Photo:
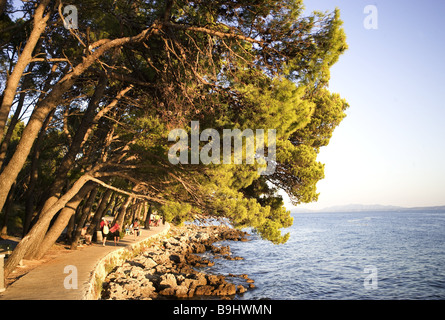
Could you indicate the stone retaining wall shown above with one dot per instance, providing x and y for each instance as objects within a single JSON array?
[{"x": 112, "y": 259}]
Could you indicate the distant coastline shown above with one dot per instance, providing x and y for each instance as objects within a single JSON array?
[{"x": 370, "y": 208}]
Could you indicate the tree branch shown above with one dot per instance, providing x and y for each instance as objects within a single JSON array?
[
  {"x": 216, "y": 33},
  {"x": 131, "y": 194}
]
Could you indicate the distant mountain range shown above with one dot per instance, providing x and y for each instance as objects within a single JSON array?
[{"x": 364, "y": 208}]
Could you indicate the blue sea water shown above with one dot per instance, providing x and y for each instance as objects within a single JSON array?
[{"x": 362, "y": 255}]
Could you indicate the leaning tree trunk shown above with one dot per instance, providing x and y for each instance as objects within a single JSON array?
[
  {"x": 140, "y": 210},
  {"x": 83, "y": 217},
  {"x": 117, "y": 199},
  {"x": 39, "y": 25},
  {"x": 33, "y": 176},
  {"x": 102, "y": 208},
  {"x": 26, "y": 85},
  {"x": 70, "y": 227},
  {"x": 145, "y": 210},
  {"x": 7, "y": 211},
  {"x": 12, "y": 169},
  {"x": 13, "y": 122},
  {"x": 147, "y": 219},
  {"x": 41, "y": 226},
  {"x": 62, "y": 220},
  {"x": 130, "y": 214},
  {"x": 123, "y": 210},
  {"x": 69, "y": 158}
]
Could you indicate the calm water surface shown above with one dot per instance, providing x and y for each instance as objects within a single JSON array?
[{"x": 328, "y": 254}]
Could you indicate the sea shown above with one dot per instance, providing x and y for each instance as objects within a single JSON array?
[{"x": 346, "y": 256}]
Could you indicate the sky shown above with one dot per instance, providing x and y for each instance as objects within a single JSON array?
[{"x": 390, "y": 149}]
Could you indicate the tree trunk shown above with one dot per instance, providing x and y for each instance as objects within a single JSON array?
[
  {"x": 123, "y": 210},
  {"x": 35, "y": 246},
  {"x": 132, "y": 212},
  {"x": 62, "y": 220},
  {"x": 2, "y": 6},
  {"x": 130, "y": 215},
  {"x": 7, "y": 211},
  {"x": 39, "y": 25},
  {"x": 147, "y": 219},
  {"x": 35, "y": 158},
  {"x": 140, "y": 213},
  {"x": 7, "y": 138},
  {"x": 115, "y": 202},
  {"x": 33, "y": 175},
  {"x": 41, "y": 226},
  {"x": 145, "y": 210},
  {"x": 79, "y": 137},
  {"x": 26, "y": 84},
  {"x": 101, "y": 209},
  {"x": 83, "y": 217},
  {"x": 40, "y": 113},
  {"x": 70, "y": 227},
  {"x": 69, "y": 158}
]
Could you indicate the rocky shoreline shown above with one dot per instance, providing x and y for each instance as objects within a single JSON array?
[{"x": 171, "y": 269}]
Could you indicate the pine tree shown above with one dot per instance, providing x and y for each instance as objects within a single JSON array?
[{"x": 108, "y": 94}]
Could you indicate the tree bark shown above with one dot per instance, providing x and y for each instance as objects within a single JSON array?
[
  {"x": 115, "y": 203},
  {"x": 101, "y": 209},
  {"x": 24, "y": 59},
  {"x": 7, "y": 211},
  {"x": 70, "y": 228},
  {"x": 148, "y": 217},
  {"x": 7, "y": 138},
  {"x": 86, "y": 209},
  {"x": 145, "y": 210},
  {"x": 69, "y": 158},
  {"x": 41, "y": 226},
  {"x": 2, "y": 6},
  {"x": 79, "y": 137},
  {"x": 12, "y": 169},
  {"x": 123, "y": 210},
  {"x": 26, "y": 84},
  {"x": 33, "y": 176},
  {"x": 62, "y": 220}
]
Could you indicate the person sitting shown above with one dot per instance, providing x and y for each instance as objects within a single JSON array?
[{"x": 86, "y": 236}]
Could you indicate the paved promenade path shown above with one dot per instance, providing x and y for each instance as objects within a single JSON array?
[{"x": 47, "y": 281}]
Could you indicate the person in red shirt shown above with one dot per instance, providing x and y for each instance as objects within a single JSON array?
[{"x": 115, "y": 230}]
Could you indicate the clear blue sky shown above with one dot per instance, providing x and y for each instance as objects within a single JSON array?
[{"x": 390, "y": 149}]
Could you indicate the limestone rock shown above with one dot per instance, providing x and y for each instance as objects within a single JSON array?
[
  {"x": 204, "y": 290},
  {"x": 168, "y": 279},
  {"x": 167, "y": 292},
  {"x": 241, "y": 289},
  {"x": 181, "y": 292}
]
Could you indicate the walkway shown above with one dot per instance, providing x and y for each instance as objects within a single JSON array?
[{"x": 48, "y": 281}]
